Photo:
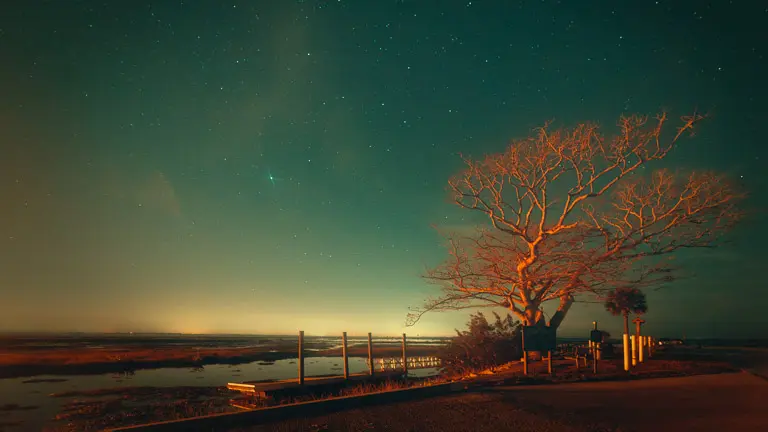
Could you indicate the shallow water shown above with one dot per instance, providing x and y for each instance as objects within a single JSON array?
[{"x": 37, "y": 394}]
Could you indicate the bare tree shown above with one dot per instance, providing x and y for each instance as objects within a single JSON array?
[{"x": 574, "y": 212}]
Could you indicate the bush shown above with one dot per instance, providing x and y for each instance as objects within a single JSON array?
[{"x": 483, "y": 345}]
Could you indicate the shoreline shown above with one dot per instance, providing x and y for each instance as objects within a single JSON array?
[
  {"x": 220, "y": 402},
  {"x": 117, "y": 405},
  {"x": 89, "y": 361}
]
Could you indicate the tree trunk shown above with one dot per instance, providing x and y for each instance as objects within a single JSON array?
[
  {"x": 626, "y": 322},
  {"x": 533, "y": 315},
  {"x": 566, "y": 302}
]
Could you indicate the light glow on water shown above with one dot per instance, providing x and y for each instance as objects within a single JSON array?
[{"x": 15, "y": 391}]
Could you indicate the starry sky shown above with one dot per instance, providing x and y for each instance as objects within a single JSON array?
[{"x": 270, "y": 166}]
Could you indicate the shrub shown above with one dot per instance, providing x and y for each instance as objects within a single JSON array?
[{"x": 483, "y": 345}]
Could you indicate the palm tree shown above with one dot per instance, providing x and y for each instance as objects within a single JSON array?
[{"x": 626, "y": 300}]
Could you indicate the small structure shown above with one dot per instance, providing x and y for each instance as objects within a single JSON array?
[{"x": 541, "y": 339}]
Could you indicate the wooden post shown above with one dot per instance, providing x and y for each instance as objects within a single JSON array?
[
  {"x": 525, "y": 356},
  {"x": 596, "y": 345},
  {"x": 594, "y": 358},
  {"x": 549, "y": 363},
  {"x": 301, "y": 358},
  {"x": 370, "y": 355},
  {"x": 576, "y": 354},
  {"x": 525, "y": 363},
  {"x": 344, "y": 354},
  {"x": 405, "y": 358}
]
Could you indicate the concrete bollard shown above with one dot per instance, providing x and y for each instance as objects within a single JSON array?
[
  {"x": 626, "y": 351},
  {"x": 650, "y": 346},
  {"x": 633, "y": 341},
  {"x": 641, "y": 349}
]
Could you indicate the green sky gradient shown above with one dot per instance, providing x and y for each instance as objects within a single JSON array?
[{"x": 265, "y": 167}]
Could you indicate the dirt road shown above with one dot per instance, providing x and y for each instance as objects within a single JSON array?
[{"x": 732, "y": 401}]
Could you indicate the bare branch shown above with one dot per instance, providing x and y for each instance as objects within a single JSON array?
[{"x": 572, "y": 212}]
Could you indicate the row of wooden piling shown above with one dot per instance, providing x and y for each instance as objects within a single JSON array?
[{"x": 344, "y": 353}]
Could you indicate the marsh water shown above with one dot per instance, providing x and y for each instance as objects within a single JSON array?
[
  {"x": 39, "y": 408},
  {"x": 28, "y": 401}
]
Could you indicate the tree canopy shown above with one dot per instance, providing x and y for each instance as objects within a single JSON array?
[
  {"x": 625, "y": 301},
  {"x": 570, "y": 212}
]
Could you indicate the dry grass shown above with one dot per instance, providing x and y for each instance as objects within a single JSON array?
[
  {"x": 83, "y": 356},
  {"x": 109, "y": 408},
  {"x": 21, "y": 362},
  {"x": 356, "y": 390},
  {"x": 608, "y": 370},
  {"x": 106, "y": 408}
]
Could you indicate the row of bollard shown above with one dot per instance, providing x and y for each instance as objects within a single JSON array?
[{"x": 636, "y": 349}]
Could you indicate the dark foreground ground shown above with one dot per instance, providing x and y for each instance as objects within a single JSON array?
[{"x": 722, "y": 402}]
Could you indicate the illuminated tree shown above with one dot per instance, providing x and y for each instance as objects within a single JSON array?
[
  {"x": 574, "y": 212},
  {"x": 624, "y": 301}
]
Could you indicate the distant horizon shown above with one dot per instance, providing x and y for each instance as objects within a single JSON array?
[
  {"x": 215, "y": 168},
  {"x": 349, "y": 334}
]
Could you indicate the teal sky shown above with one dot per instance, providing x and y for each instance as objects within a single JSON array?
[{"x": 268, "y": 167}]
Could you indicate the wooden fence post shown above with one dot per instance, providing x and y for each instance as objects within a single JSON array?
[
  {"x": 525, "y": 356},
  {"x": 594, "y": 358},
  {"x": 344, "y": 354},
  {"x": 370, "y": 355},
  {"x": 301, "y": 358},
  {"x": 549, "y": 363},
  {"x": 405, "y": 358},
  {"x": 525, "y": 363}
]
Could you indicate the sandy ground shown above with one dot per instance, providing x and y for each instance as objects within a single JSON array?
[{"x": 723, "y": 402}]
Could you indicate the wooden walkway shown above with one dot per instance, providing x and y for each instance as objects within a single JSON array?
[
  {"x": 386, "y": 368},
  {"x": 262, "y": 388}
]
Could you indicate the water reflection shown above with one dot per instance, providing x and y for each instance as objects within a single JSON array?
[{"x": 35, "y": 392}]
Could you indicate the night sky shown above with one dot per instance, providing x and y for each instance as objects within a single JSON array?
[{"x": 270, "y": 166}]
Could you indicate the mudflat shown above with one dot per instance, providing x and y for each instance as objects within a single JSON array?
[{"x": 26, "y": 357}]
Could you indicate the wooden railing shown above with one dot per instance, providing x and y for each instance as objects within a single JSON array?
[
  {"x": 385, "y": 367},
  {"x": 395, "y": 363}
]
